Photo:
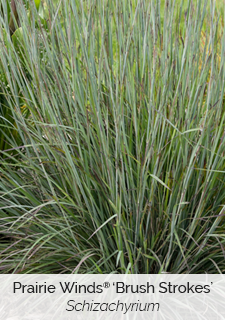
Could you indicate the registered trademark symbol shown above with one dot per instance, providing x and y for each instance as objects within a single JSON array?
[{"x": 106, "y": 284}]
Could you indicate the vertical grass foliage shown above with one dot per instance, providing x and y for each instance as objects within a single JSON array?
[{"x": 115, "y": 152}]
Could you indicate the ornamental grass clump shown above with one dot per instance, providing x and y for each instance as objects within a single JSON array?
[{"x": 120, "y": 163}]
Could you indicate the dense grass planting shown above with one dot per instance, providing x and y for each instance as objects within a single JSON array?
[{"x": 112, "y": 135}]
